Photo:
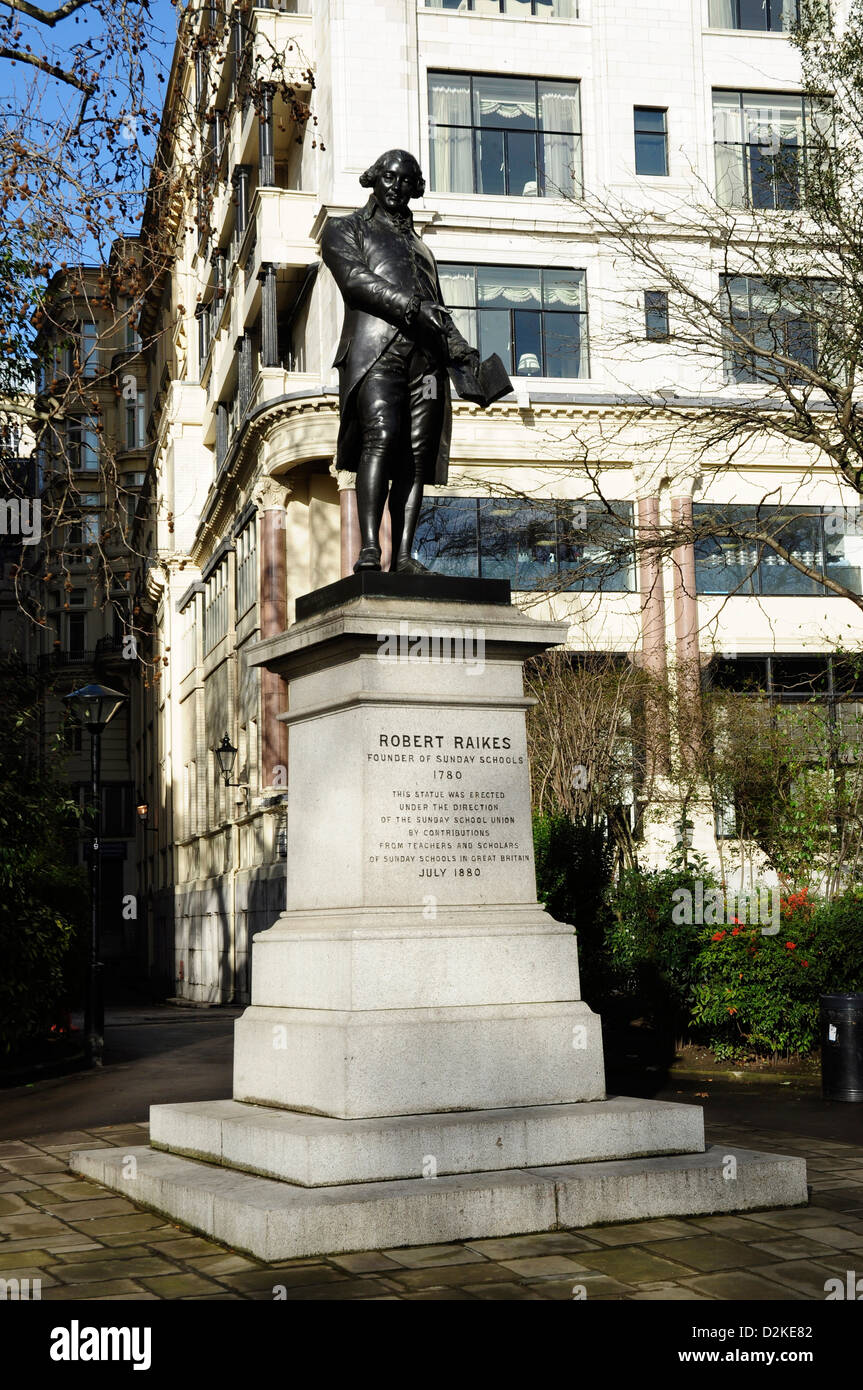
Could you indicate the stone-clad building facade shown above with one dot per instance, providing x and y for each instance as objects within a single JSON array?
[{"x": 514, "y": 107}]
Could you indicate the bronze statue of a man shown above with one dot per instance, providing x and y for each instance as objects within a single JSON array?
[{"x": 396, "y": 346}]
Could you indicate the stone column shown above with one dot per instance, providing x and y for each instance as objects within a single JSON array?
[
  {"x": 221, "y": 431},
  {"x": 241, "y": 185},
  {"x": 269, "y": 316},
  {"x": 686, "y": 629},
  {"x": 271, "y": 497},
  {"x": 653, "y": 651},
  {"x": 243, "y": 349},
  {"x": 266, "y": 162}
]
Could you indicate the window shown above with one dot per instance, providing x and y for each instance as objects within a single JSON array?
[
  {"x": 769, "y": 15},
  {"x": 656, "y": 315},
  {"x": 118, "y": 808},
  {"x": 216, "y": 606},
  {"x": 82, "y": 443},
  {"x": 535, "y": 319},
  {"x": 730, "y": 560},
  {"x": 762, "y": 142},
  {"x": 548, "y": 9},
  {"x": 247, "y": 566},
  {"x": 190, "y": 638},
  {"x": 651, "y": 140},
  {"x": 787, "y": 319},
  {"x": 89, "y": 349},
  {"x": 554, "y": 544},
  {"x": 131, "y": 337},
  {"x": 504, "y": 136},
  {"x": 136, "y": 421},
  {"x": 204, "y": 315}
]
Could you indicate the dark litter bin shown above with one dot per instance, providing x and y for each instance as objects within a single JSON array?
[{"x": 842, "y": 1046}]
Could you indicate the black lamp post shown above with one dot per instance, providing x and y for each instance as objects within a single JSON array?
[
  {"x": 94, "y": 706},
  {"x": 225, "y": 756}
]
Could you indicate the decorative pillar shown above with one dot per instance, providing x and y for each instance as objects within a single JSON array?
[
  {"x": 243, "y": 349},
  {"x": 653, "y": 650},
  {"x": 221, "y": 431},
  {"x": 686, "y": 630},
  {"x": 241, "y": 184},
  {"x": 266, "y": 163},
  {"x": 269, "y": 316},
  {"x": 271, "y": 498}
]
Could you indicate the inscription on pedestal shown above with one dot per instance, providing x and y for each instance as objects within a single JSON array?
[{"x": 452, "y": 815}]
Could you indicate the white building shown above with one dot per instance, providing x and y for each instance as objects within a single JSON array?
[{"x": 523, "y": 113}]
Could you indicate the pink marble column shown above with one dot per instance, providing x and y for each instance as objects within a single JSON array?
[{"x": 686, "y": 631}]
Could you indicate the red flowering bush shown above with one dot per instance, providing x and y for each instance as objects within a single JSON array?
[{"x": 760, "y": 993}]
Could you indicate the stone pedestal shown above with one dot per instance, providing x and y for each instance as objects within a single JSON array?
[{"x": 417, "y": 1063}]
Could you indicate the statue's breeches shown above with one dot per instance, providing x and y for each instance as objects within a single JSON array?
[{"x": 400, "y": 412}]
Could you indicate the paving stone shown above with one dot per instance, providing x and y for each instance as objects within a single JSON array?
[
  {"x": 17, "y": 1184},
  {"x": 27, "y": 1256},
  {"x": 75, "y": 1191},
  {"x": 97, "y": 1252},
  {"x": 597, "y": 1287},
  {"x": 31, "y": 1223},
  {"x": 744, "y": 1228},
  {"x": 101, "y": 1206},
  {"x": 743, "y": 1286},
  {"x": 451, "y": 1275},
  {"x": 34, "y": 1163},
  {"x": 220, "y": 1264},
  {"x": 68, "y": 1292},
  {"x": 544, "y": 1266},
  {"x": 710, "y": 1252},
  {"x": 12, "y": 1203},
  {"x": 637, "y": 1232},
  {"x": 440, "y": 1296},
  {"x": 428, "y": 1255},
  {"x": 30, "y": 1272},
  {"x": 364, "y": 1262},
  {"x": 836, "y": 1237},
  {"x": 66, "y": 1139},
  {"x": 675, "y": 1293},
  {"x": 141, "y": 1297},
  {"x": 345, "y": 1289},
  {"x": 179, "y": 1247},
  {"x": 545, "y": 1243},
  {"x": 789, "y": 1248},
  {"x": 510, "y": 1293},
  {"x": 116, "y": 1225},
  {"x": 797, "y": 1217},
  {"x": 15, "y": 1148},
  {"x": 807, "y": 1276},
  {"x": 632, "y": 1266},
  {"x": 286, "y": 1278},
  {"x": 179, "y": 1285},
  {"x": 127, "y": 1266}
]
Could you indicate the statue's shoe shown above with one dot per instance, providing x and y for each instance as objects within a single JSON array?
[
  {"x": 410, "y": 566},
  {"x": 369, "y": 559}
]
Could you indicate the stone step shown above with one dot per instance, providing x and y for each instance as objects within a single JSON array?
[
  {"x": 319, "y": 1151},
  {"x": 278, "y": 1221}
]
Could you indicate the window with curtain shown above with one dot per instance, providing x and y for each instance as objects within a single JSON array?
[
  {"x": 763, "y": 142},
  {"x": 504, "y": 136},
  {"x": 729, "y": 559},
  {"x": 546, "y": 9},
  {"x": 547, "y": 544},
  {"x": 535, "y": 319},
  {"x": 767, "y": 15},
  {"x": 788, "y": 319},
  {"x": 82, "y": 443}
]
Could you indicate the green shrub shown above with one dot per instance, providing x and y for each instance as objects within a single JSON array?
[
  {"x": 757, "y": 993},
  {"x": 573, "y": 877},
  {"x": 652, "y": 955}
]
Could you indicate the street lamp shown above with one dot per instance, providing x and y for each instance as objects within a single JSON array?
[
  {"x": 226, "y": 755},
  {"x": 94, "y": 706}
]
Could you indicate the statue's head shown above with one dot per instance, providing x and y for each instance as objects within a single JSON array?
[{"x": 395, "y": 178}]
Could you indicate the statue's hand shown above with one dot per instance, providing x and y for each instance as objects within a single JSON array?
[{"x": 433, "y": 318}]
